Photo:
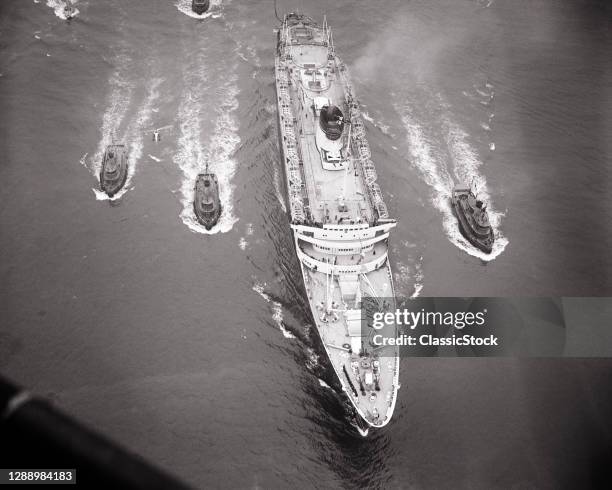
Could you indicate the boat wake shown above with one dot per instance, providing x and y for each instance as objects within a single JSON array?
[
  {"x": 133, "y": 138},
  {"x": 83, "y": 160},
  {"x": 313, "y": 362},
  {"x": 243, "y": 243},
  {"x": 362, "y": 432},
  {"x": 418, "y": 277},
  {"x": 435, "y": 165},
  {"x": 277, "y": 310},
  {"x": 191, "y": 157},
  {"x": 380, "y": 125},
  {"x": 248, "y": 53},
  {"x": 484, "y": 94},
  {"x": 121, "y": 90},
  {"x": 323, "y": 384},
  {"x": 214, "y": 11},
  {"x": 58, "y": 8},
  {"x": 408, "y": 280}
]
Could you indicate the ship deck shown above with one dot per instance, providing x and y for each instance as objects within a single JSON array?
[{"x": 325, "y": 187}]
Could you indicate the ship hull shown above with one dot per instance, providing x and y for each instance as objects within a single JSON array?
[
  {"x": 199, "y": 8},
  {"x": 113, "y": 174},
  {"x": 468, "y": 234},
  {"x": 343, "y": 256},
  {"x": 341, "y": 376}
]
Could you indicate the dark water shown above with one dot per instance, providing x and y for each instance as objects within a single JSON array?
[{"x": 195, "y": 349}]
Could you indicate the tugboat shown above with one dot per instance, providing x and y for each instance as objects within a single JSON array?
[
  {"x": 114, "y": 169},
  {"x": 200, "y": 6},
  {"x": 206, "y": 204},
  {"x": 69, "y": 10},
  {"x": 473, "y": 218}
]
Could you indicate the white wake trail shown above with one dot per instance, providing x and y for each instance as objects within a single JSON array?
[
  {"x": 118, "y": 103},
  {"x": 436, "y": 175},
  {"x": 58, "y": 8},
  {"x": 134, "y": 138},
  {"x": 192, "y": 157},
  {"x": 214, "y": 10},
  {"x": 466, "y": 164},
  {"x": 277, "y": 310}
]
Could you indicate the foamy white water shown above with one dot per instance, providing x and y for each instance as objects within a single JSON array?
[
  {"x": 408, "y": 279},
  {"x": 58, "y": 8},
  {"x": 418, "y": 278},
  {"x": 362, "y": 432},
  {"x": 466, "y": 164},
  {"x": 323, "y": 384},
  {"x": 243, "y": 243},
  {"x": 260, "y": 289},
  {"x": 134, "y": 139},
  {"x": 277, "y": 310},
  {"x": 192, "y": 156},
  {"x": 384, "y": 128},
  {"x": 118, "y": 103},
  {"x": 278, "y": 189},
  {"x": 83, "y": 160},
  {"x": 121, "y": 90},
  {"x": 247, "y": 52},
  {"x": 312, "y": 361}
]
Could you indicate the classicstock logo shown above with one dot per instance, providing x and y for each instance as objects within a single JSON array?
[{"x": 476, "y": 327}]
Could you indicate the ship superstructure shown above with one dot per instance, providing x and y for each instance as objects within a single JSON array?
[
  {"x": 339, "y": 220},
  {"x": 473, "y": 218}
]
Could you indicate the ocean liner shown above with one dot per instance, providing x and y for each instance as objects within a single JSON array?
[{"x": 339, "y": 220}]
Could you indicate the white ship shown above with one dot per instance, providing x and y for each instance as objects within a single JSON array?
[{"x": 338, "y": 217}]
